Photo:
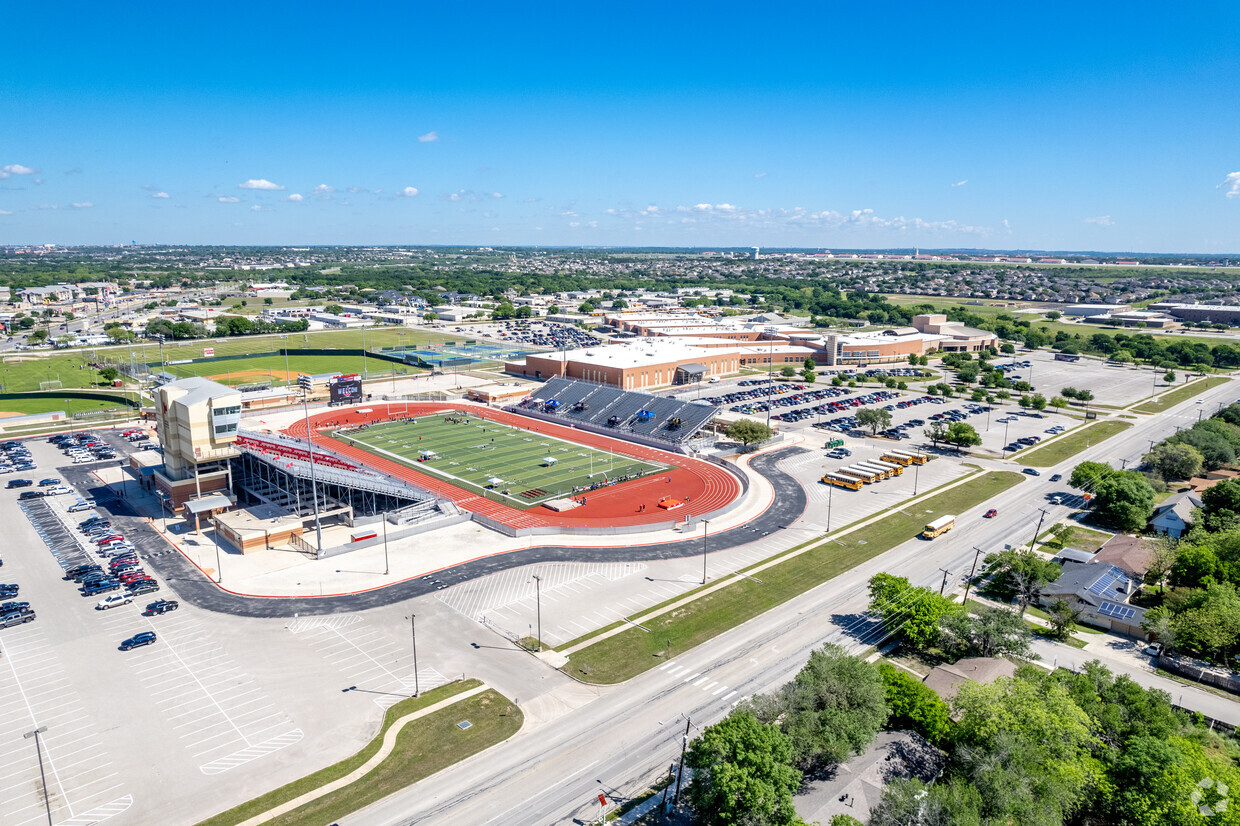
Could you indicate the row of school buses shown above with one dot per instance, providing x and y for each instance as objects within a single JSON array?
[{"x": 891, "y": 463}]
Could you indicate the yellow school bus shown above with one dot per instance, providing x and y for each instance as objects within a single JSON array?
[{"x": 838, "y": 481}]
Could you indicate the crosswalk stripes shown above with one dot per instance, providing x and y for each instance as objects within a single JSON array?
[
  {"x": 704, "y": 684},
  {"x": 300, "y": 624},
  {"x": 240, "y": 758},
  {"x": 100, "y": 813}
]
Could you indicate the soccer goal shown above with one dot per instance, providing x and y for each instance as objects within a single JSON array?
[{"x": 54, "y": 384}]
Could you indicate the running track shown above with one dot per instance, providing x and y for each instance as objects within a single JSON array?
[{"x": 705, "y": 487}]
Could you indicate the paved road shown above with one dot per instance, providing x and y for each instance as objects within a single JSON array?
[
  {"x": 193, "y": 587},
  {"x": 628, "y": 735}
]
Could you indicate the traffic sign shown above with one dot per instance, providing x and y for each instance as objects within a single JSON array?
[{"x": 602, "y": 801}]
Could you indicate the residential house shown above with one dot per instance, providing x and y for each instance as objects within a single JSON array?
[
  {"x": 1174, "y": 515},
  {"x": 1100, "y": 591},
  {"x": 946, "y": 679}
]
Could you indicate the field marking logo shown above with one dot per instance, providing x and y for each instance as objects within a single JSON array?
[{"x": 1210, "y": 797}]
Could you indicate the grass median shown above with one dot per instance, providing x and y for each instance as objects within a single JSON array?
[
  {"x": 423, "y": 747},
  {"x": 632, "y": 651},
  {"x": 1068, "y": 446},
  {"x": 1180, "y": 394}
]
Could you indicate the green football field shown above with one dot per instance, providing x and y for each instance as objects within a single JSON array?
[{"x": 472, "y": 455}]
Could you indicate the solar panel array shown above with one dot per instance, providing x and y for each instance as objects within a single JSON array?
[
  {"x": 1109, "y": 581},
  {"x": 1111, "y": 609}
]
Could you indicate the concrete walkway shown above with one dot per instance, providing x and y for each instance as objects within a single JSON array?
[{"x": 389, "y": 744}]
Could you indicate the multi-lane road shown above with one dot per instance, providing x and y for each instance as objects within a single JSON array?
[{"x": 580, "y": 742}]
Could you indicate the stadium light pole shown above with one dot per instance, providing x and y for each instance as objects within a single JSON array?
[
  {"x": 306, "y": 383},
  {"x": 42, "y": 777},
  {"x": 538, "y": 607},
  {"x": 287, "y": 378}
]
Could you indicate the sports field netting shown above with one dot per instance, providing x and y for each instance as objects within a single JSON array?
[{"x": 474, "y": 453}]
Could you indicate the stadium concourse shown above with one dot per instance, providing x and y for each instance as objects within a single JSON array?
[{"x": 699, "y": 487}]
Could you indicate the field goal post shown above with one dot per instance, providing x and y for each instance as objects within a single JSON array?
[{"x": 54, "y": 384}]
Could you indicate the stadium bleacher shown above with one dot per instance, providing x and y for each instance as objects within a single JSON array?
[{"x": 619, "y": 411}]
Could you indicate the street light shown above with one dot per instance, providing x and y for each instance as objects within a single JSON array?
[
  {"x": 42, "y": 777},
  {"x": 306, "y": 383},
  {"x": 413, "y": 626},
  {"x": 386, "y": 568},
  {"x": 538, "y": 607},
  {"x": 705, "y": 531}
]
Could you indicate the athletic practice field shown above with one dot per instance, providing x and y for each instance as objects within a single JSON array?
[
  {"x": 509, "y": 463},
  {"x": 234, "y": 371}
]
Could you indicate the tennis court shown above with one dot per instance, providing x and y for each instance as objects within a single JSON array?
[{"x": 510, "y": 464}]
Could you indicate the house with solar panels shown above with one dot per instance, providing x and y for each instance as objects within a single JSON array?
[{"x": 1100, "y": 591}]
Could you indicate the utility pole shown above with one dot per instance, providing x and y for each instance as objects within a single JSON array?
[
  {"x": 830, "y": 492},
  {"x": 306, "y": 383},
  {"x": 684, "y": 744},
  {"x": 538, "y": 607},
  {"x": 413, "y": 627},
  {"x": 916, "y": 477},
  {"x": 43, "y": 778},
  {"x": 705, "y": 531},
  {"x": 943, "y": 587},
  {"x": 1005, "y": 438},
  {"x": 972, "y": 571},
  {"x": 1038, "y": 529}
]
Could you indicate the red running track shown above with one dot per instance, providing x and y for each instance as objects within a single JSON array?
[{"x": 705, "y": 487}]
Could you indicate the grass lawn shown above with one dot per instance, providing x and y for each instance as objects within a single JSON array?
[
  {"x": 23, "y": 407},
  {"x": 1082, "y": 538},
  {"x": 1180, "y": 394},
  {"x": 470, "y": 455},
  {"x": 425, "y": 746},
  {"x": 632, "y": 651},
  {"x": 1072, "y": 444},
  {"x": 276, "y": 368}
]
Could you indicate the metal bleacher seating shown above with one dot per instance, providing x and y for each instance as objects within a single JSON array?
[{"x": 602, "y": 404}]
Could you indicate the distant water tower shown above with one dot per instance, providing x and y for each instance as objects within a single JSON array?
[{"x": 755, "y": 252}]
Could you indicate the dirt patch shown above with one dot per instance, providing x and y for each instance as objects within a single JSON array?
[
  {"x": 252, "y": 374},
  {"x": 8, "y": 414}
]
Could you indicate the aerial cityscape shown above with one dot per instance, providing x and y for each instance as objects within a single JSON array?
[{"x": 435, "y": 416}]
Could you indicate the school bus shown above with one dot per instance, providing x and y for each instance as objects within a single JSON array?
[
  {"x": 883, "y": 472},
  {"x": 939, "y": 527},
  {"x": 913, "y": 457},
  {"x": 894, "y": 468},
  {"x": 839, "y": 481},
  {"x": 867, "y": 476},
  {"x": 899, "y": 459}
]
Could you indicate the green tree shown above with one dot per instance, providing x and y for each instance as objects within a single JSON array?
[
  {"x": 936, "y": 432},
  {"x": 1059, "y": 403},
  {"x": 1012, "y": 571},
  {"x": 1169, "y": 377},
  {"x": 742, "y": 774},
  {"x": 1124, "y": 500},
  {"x": 962, "y": 434},
  {"x": 787, "y": 371},
  {"x": 1175, "y": 460},
  {"x": 915, "y": 705},
  {"x": 586, "y": 308},
  {"x": 109, "y": 374},
  {"x": 504, "y": 310},
  {"x": 1037, "y": 401},
  {"x": 1088, "y": 475},
  {"x": 1207, "y": 620},
  {"x": 908, "y": 610},
  {"x": 875, "y": 418},
  {"x": 1221, "y": 505},
  {"x": 1063, "y": 619},
  {"x": 748, "y": 432},
  {"x": 833, "y": 708},
  {"x": 37, "y": 336},
  {"x": 985, "y": 631}
]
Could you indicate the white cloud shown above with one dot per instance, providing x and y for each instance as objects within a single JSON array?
[
  {"x": 16, "y": 169},
  {"x": 409, "y": 192},
  {"x": 228, "y": 199},
  {"x": 296, "y": 198},
  {"x": 1100, "y": 221},
  {"x": 497, "y": 195},
  {"x": 82, "y": 205},
  {"x": 961, "y": 183},
  {"x": 353, "y": 190},
  {"x": 259, "y": 183},
  {"x": 256, "y": 208},
  {"x": 1232, "y": 182},
  {"x": 324, "y": 189},
  {"x": 428, "y": 137},
  {"x": 5, "y": 212},
  {"x": 1007, "y": 226},
  {"x": 160, "y": 195},
  {"x": 759, "y": 174}
]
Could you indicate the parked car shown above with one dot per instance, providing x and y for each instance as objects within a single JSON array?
[
  {"x": 162, "y": 606},
  {"x": 45, "y": 483},
  {"x": 30, "y": 494},
  {"x": 16, "y": 618},
  {"x": 19, "y": 483},
  {"x": 59, "y": 490},
  {"x": 78, "y": 507},
  {"x": 113, "y": 601},
  {"x": 143, "y": 586},
  {"x": 138, "y": 640},
  {"x": 101, "y": 586}
]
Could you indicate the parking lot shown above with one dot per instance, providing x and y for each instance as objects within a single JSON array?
[{"x": 227, "y": 707}]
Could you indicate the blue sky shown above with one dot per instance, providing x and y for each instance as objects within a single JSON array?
[{"x": 1069, "y": 126}]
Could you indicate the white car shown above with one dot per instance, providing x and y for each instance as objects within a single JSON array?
[
  {"x": 81, "y": 460},
  {"x": 113, "y": 601},
  {"x": 59, "y": 490},
  {"x": 78, "y": 507}
]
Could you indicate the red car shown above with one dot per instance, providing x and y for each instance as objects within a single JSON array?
[
  {"x": 108, "y": 540},
  {"x": 990, "y": 514},
  {"x": 133, "y": 576}
]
